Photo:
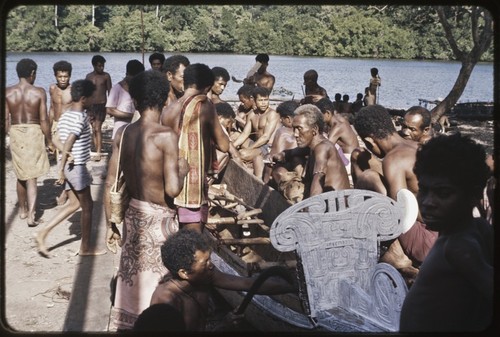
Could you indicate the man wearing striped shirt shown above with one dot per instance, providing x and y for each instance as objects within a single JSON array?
[{"x": 73, "y": 140}]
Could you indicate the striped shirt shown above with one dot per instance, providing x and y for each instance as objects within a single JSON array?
[{"x": 77, "y": 123}]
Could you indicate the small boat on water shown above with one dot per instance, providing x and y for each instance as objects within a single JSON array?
[
  {"x": 479, "y": 111},
  {"x": 330, "y": 243}
]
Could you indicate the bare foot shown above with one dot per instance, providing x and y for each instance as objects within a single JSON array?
[
  {"x": 42, "y": 250},
  {"x": 23, "y": 212},
  {"x": 31, "y": 220},
  {"x": 96, "y": 157},
  {"x": 91, "y": 253}
]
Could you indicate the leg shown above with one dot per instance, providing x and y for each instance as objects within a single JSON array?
[
  {"x": 97, "y": 132},
  {"x": 22, "y": 198},
  {"x": 68, "y": 209},
  {"x": 85, "y": 198},
  {"x": 32, "y": 195}
]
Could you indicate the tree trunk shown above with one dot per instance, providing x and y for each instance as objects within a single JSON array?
[
  {"x": 455, "y": 93},
  {"x": 481, "y": 37}
]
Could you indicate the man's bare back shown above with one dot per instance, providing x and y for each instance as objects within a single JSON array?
[
  {"x": 26, "y": 104},
  {"x": 154, "y": 144},
  {"x": 342, "y": 133}
]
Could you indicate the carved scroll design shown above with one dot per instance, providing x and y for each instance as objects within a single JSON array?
[{"x": 337, "y": 236}]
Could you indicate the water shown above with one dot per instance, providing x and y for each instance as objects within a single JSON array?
[{"x": 403, "y": 82}]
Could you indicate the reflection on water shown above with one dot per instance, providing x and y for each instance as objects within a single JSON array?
[{"x": 403, "y": 82}]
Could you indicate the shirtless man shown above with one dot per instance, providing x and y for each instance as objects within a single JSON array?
[
  {"x": 220, "y": 83},
  {"x": 154, "y": 177},
  {"x": 340, "y": 131},
  {"x": 247, "y": 103},
  {"x": 325, "y": 170},
  {"x": 173, "y": 67},
  {"x": 97, "y": 110},
  {"x": 194, "y": 114},
  {"x": 263, "y": 121},
  {"x": 458, "y": 273},
  {"x": 60, "y": 101},
  {"x": 192, "y": 277},
  {"x": 27, "y": 124},
  {"x": 374, "y": 125},
  {"x": 417, "y": 125},
  {"x": 375, "y": 82},
  {"x": 259, "y": 75},
  {"x": 313, "y": 92}
]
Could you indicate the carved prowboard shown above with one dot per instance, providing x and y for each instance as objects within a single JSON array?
[{"x": 337, "y": 236}]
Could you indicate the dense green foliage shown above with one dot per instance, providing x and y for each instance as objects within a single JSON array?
[{"x": 405, "y": 32}]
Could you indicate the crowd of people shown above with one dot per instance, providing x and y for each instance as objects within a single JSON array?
[{"x": 173, "y": 133}]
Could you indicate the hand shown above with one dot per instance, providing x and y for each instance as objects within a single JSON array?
[
  {"x": 61, "y": 178},
  {"x": 279, "y": 157},
  {"x": 113, "y": 238},
  {"x": 51, "y": 148},
  {"x": 183, "y": 167}
]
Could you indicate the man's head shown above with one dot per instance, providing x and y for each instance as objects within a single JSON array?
[
  {"x": 174, "y": 67},
  {"x": 452, "y": 173},
  {"x": 245, "y": 96},
  {"x": 226, "y": 114},
  {"x": 198, "y": 76},
  {"x": 221, "y": 78},
  {"x": 327, "y": 108},
  {"x": 417, "y": 123},
  {"x": 310, "y": 77},
  {"x": 62, "y": 72},
  {"x": 134, "y": 67},
  {"x": 186, "y": 255},
  {"x": 98, "y": 62},
  {"x": 156, "y": 61},
  {"x": 263, "y": 59},
  {"x": 82, "y": 89},
  {"x": 286, "y": 111},
  {"x": 373, "y": 124},
  {"x": 374, "y": 72},
  {"x": 307, "y": 124},
  {"x": 345, "y": 98},
  {"x": 149, "y": 89},
  {"x": 26, "y": 68},
  {"x": 338, "y": 97},
  {"x": 261, "y": 98}
]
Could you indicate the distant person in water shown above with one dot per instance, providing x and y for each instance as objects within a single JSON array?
[{"x": 358, "y": 103}]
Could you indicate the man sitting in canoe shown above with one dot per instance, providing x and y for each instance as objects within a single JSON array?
[
  {"x": 325, "y": 170},
  {"x": 192, "y": 275}
]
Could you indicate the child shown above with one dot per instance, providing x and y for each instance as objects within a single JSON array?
[
  {"x": 73, "y": 131},
  {"x": 454, "y": 288},
  {"x": 192, "y": 275}
]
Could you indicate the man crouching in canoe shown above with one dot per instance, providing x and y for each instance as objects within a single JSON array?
[{"x": 187, "y": 287}]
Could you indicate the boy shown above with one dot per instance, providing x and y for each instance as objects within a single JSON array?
[
  {"x": 263, "y": 121},
  {"x": 454, "y": 288},
  {"x": 73, "y": 130},
  {"x": 97, "y": 109},
  {"x": 221, "y": 78},
  {"x": 192, "y": 275},
  {"x": 60, "y": 101}
]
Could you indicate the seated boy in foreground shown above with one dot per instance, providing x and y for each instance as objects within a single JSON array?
[{"x": 187, "y": 287}]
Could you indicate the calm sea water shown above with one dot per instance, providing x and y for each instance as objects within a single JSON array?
[{"x": 403, "y": 82}]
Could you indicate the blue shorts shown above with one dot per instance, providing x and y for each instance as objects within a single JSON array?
[{"x": 77, "y": 177}]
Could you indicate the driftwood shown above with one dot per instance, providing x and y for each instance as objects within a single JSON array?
[{"x": 234, "y": 221}]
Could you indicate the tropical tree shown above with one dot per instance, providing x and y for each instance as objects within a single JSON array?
[{"x": 466, "y": 49}]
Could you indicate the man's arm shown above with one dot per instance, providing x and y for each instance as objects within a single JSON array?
[
  {"x": 175, "y": 169},
  {"x": 44, "y": 122},
  {"x": 247, "y": 130},
  {"x": 395, "y": 174},
  {"x": 220, "y": 137},
  {"x": 320, "y": 154},
  {"x": 234, "y": 282},
  {"x": 51, "y": 109}
]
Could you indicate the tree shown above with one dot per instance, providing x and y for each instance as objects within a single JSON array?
[{"x": 481, "y": 29}]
